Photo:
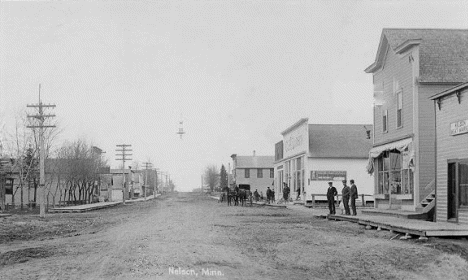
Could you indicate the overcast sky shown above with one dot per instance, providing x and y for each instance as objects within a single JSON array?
[{"x": 236, "y": 72}]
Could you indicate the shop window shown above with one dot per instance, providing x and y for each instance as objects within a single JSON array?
[
  {"x": 247, "y": 173},
  {"x": 393, "y": 177},
  {"x": 383, "y": 177},
  {"x": 272, "y": 173},
  {"x": 395, "y": 173},
  {"x": 288, "y": 173},
  {"x": 407, "y": 181},
  {"x": 259, "y": 173},
  {"x": 299, "y": 174}
]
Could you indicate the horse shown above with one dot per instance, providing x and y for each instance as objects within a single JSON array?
[
  {"x": 222, "y": 196},
  {"x": 244, "y": 196},
  {"x": 231, "y": 196}
]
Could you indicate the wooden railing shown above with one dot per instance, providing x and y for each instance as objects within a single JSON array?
[{"x": 338, "y": 198}]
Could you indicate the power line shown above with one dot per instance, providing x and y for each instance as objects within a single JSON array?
[{"x": 147, "y": 166}]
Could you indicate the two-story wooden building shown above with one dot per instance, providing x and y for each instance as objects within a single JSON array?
[
  {"x": 451, "y": 109},
  {"x": 253, "y": 172},
  {"x": 410, "y": 66}
]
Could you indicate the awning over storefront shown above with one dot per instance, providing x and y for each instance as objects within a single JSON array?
[{"x": 401, "y": 145}]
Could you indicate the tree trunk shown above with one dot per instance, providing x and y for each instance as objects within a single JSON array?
[
  {"x": 80, "y": 193},
  {"x": 2, "y": 193},
  {"x": 29, "y": 194},
  {"x": 21, "y": 193},
  {"x": 74, "y": 194},
  {"x": 12, "y": 195},
  {"x": 35, "y": 192}
]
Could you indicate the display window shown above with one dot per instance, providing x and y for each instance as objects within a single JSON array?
[{"x": 393, "y": 176}]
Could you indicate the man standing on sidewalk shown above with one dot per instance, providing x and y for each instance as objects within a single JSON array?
[
  {"x": 286, "y": 192},
  {"x": 354, "y": 196},
  {"x": 268, "y": 195},
  {"x": 346, "y": 191},
  {"x": 331, "y": 193}
]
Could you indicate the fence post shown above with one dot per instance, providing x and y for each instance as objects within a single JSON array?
[
  {"x": 363, "y": 202},
  {"x": 313, "y": 201}
]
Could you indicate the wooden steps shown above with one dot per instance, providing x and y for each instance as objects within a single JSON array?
[{"x": 428, "y": 203}]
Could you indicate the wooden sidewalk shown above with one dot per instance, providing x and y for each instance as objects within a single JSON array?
[
  {"x": 407, "y": 226},
  {"x": 84, "y": 207},
  {"x": 96, "y": 206}
]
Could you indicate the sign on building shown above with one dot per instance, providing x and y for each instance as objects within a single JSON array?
[
  {"x": 327, "y": 175},
  {"x": 459, "y": 127}
]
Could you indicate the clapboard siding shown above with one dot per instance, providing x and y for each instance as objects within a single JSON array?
[
  {"x": 449, "y": 147},
  {"x": 400, "y": 69},
  {"x": 426, "y": 132}
]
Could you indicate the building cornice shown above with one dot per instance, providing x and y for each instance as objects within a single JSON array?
[
  {"x": 377, "y": 64},
  {"x": 292, "y": 127},
  {"x": 460, "y": 87},
  {"x": 406, "y": 45}
]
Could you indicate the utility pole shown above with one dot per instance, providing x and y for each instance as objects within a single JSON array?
[
  {"x": 147, "y": 166},
  {"x": 124, "y": 149},
  {"x": 167, "y": 182},
  {"x": 41, "y": 117},
  {"x": 156, "y": 185},
  {"x": 163, "y": 185}
]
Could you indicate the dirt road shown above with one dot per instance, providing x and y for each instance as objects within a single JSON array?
[{"x": 188, "y": 236}]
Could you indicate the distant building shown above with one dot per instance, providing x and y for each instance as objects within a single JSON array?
[
  {"x": 133, "y": 184},
  {"x": 410, "y": 66},
  {"x": 451, "y": 109},
  {"x": 58, "y": 175},
  {"x": 311, "y": 155},
  {"x": 253, "y": 172}
]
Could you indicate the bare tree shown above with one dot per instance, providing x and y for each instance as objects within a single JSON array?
[
  {"x": 211, "y": 176},
  {"x": 20, "y": 146},
  {"x": 78, "y": 169}
]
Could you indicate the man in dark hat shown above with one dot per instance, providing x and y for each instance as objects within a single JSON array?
[
  {"x": 346, "y": 192},
  {"x": 268, "y": 195},
  {"x": 331, "y": 193},
  {"x": 354, "y": 196},
  {"x": 286, "y": 191},
  {"x": 256, "y": 195}
]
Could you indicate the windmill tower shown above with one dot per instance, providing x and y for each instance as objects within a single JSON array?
[{"x": 181, "y": 131}]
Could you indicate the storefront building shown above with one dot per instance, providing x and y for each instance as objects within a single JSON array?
[
  {"x": 411, "y": 65},
  {"x": 451, "y": 110},
  {"x": 311, "y": 155}
]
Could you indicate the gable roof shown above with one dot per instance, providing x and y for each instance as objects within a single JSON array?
[
  {"x": 255, "y": 161},
  {"x": 443, "y": 53},
  {"x": 339, "y": 140}
]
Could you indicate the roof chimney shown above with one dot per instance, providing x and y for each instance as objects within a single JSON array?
[{"x": 253, "y": 152}]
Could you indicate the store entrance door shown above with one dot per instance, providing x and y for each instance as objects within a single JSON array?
[{"x": 457, "y": 188}]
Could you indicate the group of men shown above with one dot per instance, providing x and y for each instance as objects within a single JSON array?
[
  {"x": 348, "y": 194},
  {"x": 270, "y": 195}
]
